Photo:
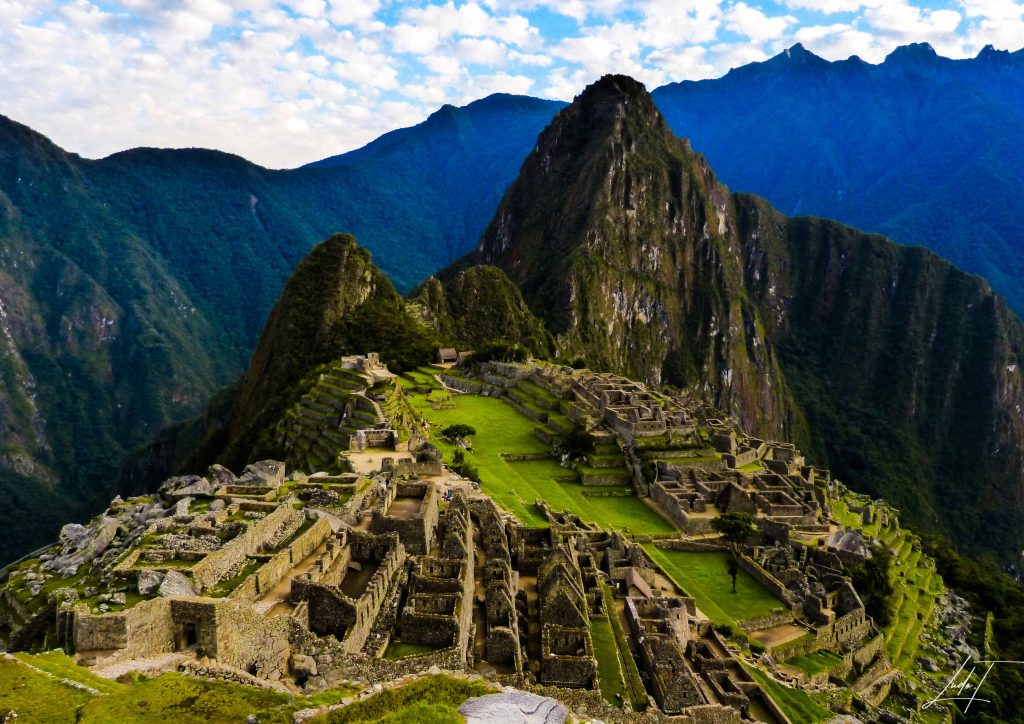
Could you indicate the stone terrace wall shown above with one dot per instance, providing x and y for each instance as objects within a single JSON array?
[
  {"x": 217, "y": 565},
  {"x": 769, "y": 581}
]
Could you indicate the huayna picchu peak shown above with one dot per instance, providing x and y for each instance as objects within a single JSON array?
[
  {"x": 872, "y": 355},
  {"x": 651, "y": 451}
]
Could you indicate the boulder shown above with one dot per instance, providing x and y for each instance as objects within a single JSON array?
[
  {"x": 220, "y": 475},
  {"x": 265, "y": 473},
  {"x": 513, "y": 706},
  {"x": 217, "y": 505},
  {"x": 170, "y": 487},
  {"x": 176, "y": 584},
  {"x": 181, "y": 514},
  {"x": 201, "y": 487},
  {"x": 301, "y": 662},
  {"x": 72, "y": 535},
  {"x": 149, "y": 582}
]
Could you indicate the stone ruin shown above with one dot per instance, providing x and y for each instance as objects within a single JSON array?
[
  {"x": 342, "y": 576},
  {"x": 693, "y": 497}
]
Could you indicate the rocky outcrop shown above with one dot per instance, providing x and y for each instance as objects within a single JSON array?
[{"x": 175, "y": 584}]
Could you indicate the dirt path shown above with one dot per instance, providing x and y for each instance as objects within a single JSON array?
[{"x": 150, "y": 666}]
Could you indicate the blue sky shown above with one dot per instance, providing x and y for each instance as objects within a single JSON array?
[{"x": 284, "y": 83}]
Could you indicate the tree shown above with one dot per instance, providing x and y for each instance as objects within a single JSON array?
[
  {"x": 872, "y": 583},
  {"x": 735, "y": 528},
  {"x": 457, "y": 432},
  {"x": 577, "y": 443}
]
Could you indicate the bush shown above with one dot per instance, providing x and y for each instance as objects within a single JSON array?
[
  {"x": 458, "y": 431},
  {"x": 577, "y": 443},
  {"x": 498, "y": 351},
  {"x": 725, "y": 629},
  {"x": 463, "y": 467}
]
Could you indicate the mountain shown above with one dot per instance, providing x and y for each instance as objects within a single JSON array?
[
  {"x": 480, "y": 305},
  {"x": 133, "y": 287},
  {"x": 921, "y": 148},
  {"x": 336, "y": 303},
  {"x": 884, "y": 361}
]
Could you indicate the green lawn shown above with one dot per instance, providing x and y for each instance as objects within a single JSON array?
[
  {"x": 633, "y": 685},
  {"x": 35, "y": 696},
  {"x": 517, "y": 485},
  {"x": 796, "y": 703},
  {"x": 705, "y": 576},
  {"x": 816, "y": 663},
  {"x": 607, "y": 654}
]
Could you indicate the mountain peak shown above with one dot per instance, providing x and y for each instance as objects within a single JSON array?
[
  {"x": 913, "y": 54},
  {"x": 796, "y": 56},
  {"x": 614, "y": 86}
]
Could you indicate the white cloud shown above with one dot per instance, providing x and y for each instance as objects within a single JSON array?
[
  {"x": 285, "y": 82},
  {"x": 754, "y": 24},
  {"x": 827, "y": 7}
]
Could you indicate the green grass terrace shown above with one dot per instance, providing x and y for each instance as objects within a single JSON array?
[
  {"x": 501, "y": 431},
  {"x": 705, "y": 576}
]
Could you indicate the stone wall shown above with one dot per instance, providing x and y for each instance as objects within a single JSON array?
[
  {"x": 417, "y": 531},
  {"x": 247, "y": 640},
  {"x": 331, "y": 612},
  {"x": 281, "y": 564},
  {"x": 146, "y": 629},
  {"x": 767, "y": 580},
  {"x": 219, "y": 564}
]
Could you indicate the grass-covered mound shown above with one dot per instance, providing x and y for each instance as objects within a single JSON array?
[{"x": 52, "y": 688}]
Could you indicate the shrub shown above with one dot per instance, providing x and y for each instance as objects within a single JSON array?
[
  {"x": 458, "y": 431},
  {"x": 499, "y": 351},
  {"x": 577, "y": 443}
]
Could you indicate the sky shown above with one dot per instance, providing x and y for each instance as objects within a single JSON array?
[{"x": 286, "y": 83}]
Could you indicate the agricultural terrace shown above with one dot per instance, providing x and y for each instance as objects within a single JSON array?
[
  {"x": 516, "y": 485},
  {"x": 916, "y": 588}
]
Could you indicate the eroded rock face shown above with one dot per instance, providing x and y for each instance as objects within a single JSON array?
[{"x": 175, "y": 584}]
